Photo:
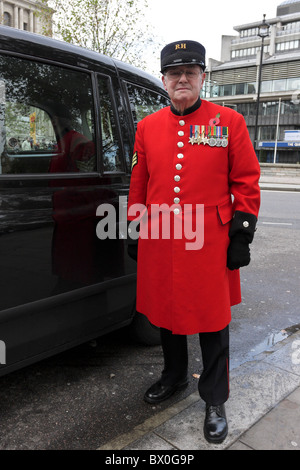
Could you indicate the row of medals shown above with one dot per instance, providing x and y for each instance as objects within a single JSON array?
[
  {"x": 211, "y": 141},
  {"x": 214, "y": 136}
]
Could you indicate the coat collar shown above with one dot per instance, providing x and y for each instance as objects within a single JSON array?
[{"x": 188, "y": 110}]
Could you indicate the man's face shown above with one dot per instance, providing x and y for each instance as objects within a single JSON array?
[{"x": 183, "y": 84}]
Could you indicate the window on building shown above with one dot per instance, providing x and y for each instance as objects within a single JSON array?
[
  {"x": 290, "y": 107},
  {"x": 206, "y": 90},
  {"x": 287, "y": 45},
  {"x": 266, "y": 86},
  {"x": 271, "y": 108},
  {"x": 252, "y": 109},
  {"x": 279, "y": 85},
  {"x": 227, "y": 90},
  {"x": 247, "y": 52},
  {"x": 251, "y": 88},
  {"x": 240, "y": 88},
  {"x": 267, "y": 132},
  {"x": 215, "y": 90},
  {"x": 243, "y": 108},
  {"x": 7, "y": 19},
  {"x": 246, "y": 33},
  {"x": 291, "y": 26}
]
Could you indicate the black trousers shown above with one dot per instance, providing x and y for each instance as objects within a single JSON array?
[{"x": 213, "y": 384}]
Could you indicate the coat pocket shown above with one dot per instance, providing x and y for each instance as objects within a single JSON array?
[{"x": 225, "y": 212}]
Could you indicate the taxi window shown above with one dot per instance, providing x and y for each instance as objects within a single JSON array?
[
  {"x": 111, "y": 151},
  {"x": 46, "y": 118},
  {"x": 144, "y": 102}
]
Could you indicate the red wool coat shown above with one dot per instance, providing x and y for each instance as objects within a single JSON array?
[{"x": 190, "y": 290}]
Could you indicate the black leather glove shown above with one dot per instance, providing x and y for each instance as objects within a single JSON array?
[
  {"x": 241, "y": 234},
  {"x": 238, "y": 253},
  {"x": 244, "y": 223}
]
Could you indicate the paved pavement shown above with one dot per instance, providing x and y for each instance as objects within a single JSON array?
[{"x": 263, "y": 410}]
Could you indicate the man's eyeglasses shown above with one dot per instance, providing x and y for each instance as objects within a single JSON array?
[{"x": 176, "y": 74}]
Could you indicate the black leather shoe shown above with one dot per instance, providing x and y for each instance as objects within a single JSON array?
[
  {"x": 158, "y": 392},
  {"x": 215, "y": 424}
]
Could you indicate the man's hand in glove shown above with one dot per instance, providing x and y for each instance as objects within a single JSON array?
[{"x": 238, "y": 253}]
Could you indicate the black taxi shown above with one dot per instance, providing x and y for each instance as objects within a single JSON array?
[{"x": 67, "y": 124}]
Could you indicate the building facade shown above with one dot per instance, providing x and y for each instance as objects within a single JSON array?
[
  {"x": 234, "y": 82},
  {"x": 28, "y": 15}
]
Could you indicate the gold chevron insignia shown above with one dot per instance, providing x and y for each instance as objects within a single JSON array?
[{"x": 134, "y": 160}]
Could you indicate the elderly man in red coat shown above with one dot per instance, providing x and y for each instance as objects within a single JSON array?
[{"x": 194, "y": 174}]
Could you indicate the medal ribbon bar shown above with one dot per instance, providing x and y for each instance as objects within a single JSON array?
[{"x": 212, "y": 135}]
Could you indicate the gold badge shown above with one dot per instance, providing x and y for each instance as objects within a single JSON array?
[
  {"x": 134, "y": 160},
  {"x": 180, "y": 46}
]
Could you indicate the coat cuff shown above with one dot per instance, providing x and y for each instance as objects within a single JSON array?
[{"x": 244, "y": 223}]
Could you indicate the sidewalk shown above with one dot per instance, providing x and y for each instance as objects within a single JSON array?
[
  {"x": 280, "y": 183},
  {"x": 263, "y": 410}
]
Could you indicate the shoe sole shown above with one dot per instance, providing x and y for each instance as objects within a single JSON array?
[{"x": 166, "y": 397}]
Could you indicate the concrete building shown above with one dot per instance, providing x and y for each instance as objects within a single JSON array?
[
  {"x": 28, "y": 15},
  {"x": 234, "y": 82}
]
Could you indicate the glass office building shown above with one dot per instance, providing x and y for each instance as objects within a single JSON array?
[{"x": 234, "y": 81}]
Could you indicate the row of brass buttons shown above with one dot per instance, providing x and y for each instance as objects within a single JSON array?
[{"x": 178, "y": 167}]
